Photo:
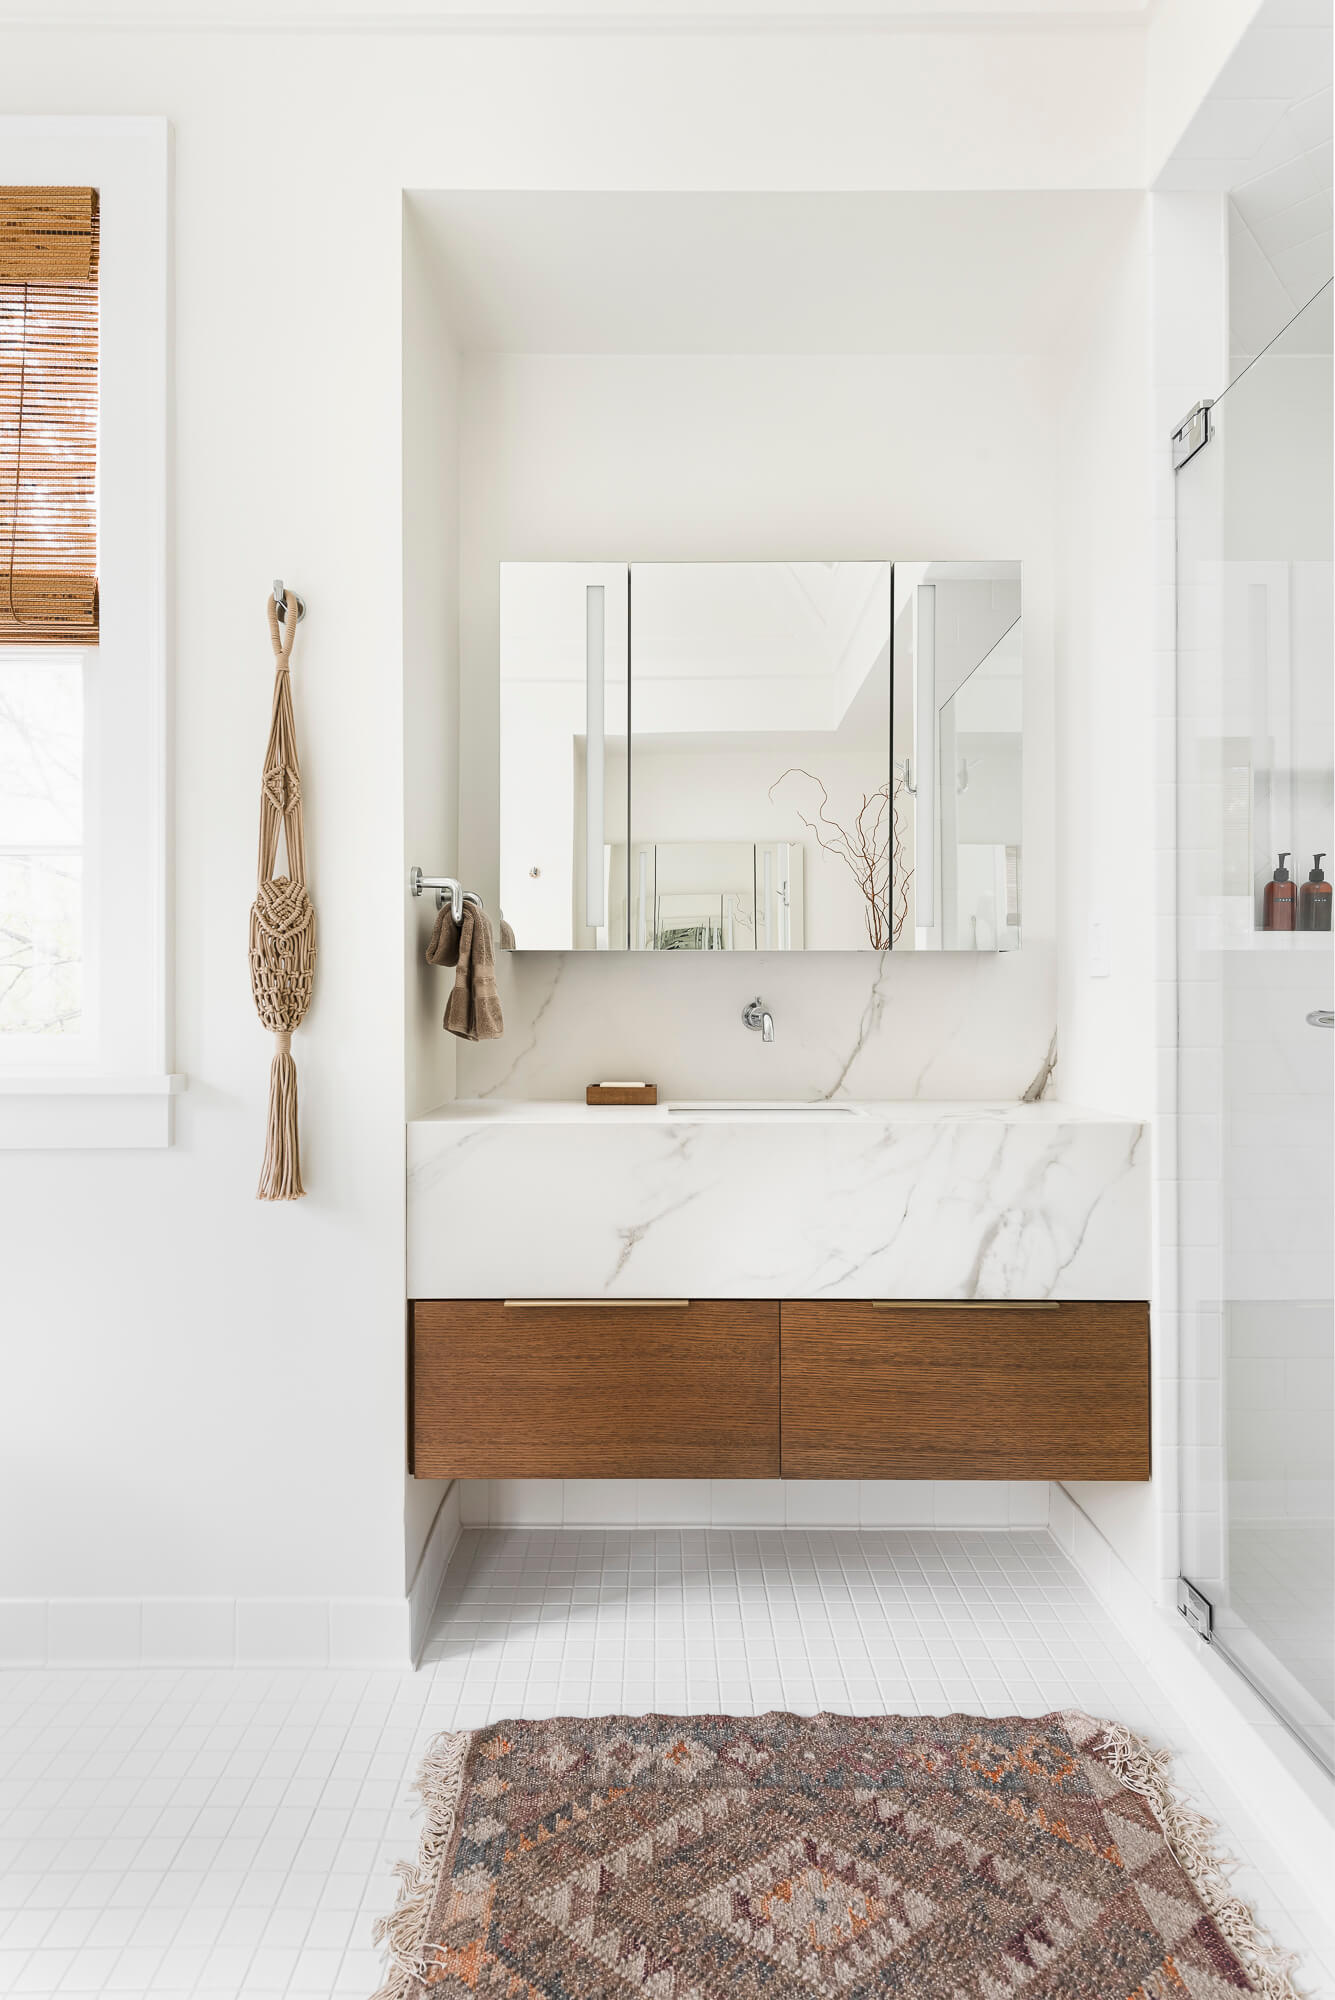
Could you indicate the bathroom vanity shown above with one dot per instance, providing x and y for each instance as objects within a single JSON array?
[
  {"x": 831, "y": 1291},
  {"x": 772, "y": 758}
]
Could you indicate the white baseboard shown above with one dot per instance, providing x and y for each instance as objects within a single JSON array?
[
  {"x": 440, "y": 1544},
  {"x": 1290, "y": 1796},
  {"x": 233, "y": 1631},
  {"x": 754, "y": 1503},
  {"x": 204, "y": 1631}
]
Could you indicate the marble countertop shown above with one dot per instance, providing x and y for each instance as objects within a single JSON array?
[
  {"x": 920, "y": 1200},
  {"x": 685, "y": 1111}
]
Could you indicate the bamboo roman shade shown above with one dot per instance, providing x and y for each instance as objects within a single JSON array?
[{"x": 48, "y": 415}]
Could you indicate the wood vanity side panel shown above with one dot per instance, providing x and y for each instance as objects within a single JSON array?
[
  {"x": 938, "y": 1393},
  {"x": 596, "y": 1392}
]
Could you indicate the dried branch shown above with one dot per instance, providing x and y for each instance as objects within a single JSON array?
[{"x": 871, "y": 849}]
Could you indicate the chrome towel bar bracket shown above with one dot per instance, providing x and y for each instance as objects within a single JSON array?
[{"x": 447, "y": 890}]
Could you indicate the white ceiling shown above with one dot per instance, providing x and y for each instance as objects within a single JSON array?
[
  {"x": 714, "y": 15},
  {"x": 1264, "y": 136},
  {"x": 768, "y": 273}
]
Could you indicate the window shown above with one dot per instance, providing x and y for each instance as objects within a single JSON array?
[
  {"x": 42, "y": 989},
  {"x": 48, "y": 597},
  {"x": 83, "y": 539}
]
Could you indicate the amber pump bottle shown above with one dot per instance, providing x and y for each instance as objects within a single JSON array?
[
  {"x": 1314, "y": 899},
  {"x": 1279, "y": 905}
]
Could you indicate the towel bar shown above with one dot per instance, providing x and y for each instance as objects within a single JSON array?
[{"x": 444, "y": 885}]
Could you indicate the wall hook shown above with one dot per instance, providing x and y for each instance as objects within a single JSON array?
[{"x": 280, "y": 601}]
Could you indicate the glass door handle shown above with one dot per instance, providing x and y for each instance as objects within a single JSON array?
[{"x": 1321, "y": 1017}]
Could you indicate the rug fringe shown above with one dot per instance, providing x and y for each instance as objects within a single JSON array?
[
  {"x": 403, "y": 1931},
  {"x": 1190, "y": 1834}
]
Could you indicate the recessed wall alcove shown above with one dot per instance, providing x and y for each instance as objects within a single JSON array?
[{"x": 730, "y": 376}]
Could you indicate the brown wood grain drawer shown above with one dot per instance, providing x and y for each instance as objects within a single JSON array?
[
  {"x": 572, "y": 1391},
  {"x": 966, "y": 1392}
]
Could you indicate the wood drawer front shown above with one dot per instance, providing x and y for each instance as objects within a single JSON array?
[
  {"x": 966, "y": 1392},
  {"x": 595, "y": 1392}
]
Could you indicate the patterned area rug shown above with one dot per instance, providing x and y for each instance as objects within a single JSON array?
[{"x": 788, "y": 1857}]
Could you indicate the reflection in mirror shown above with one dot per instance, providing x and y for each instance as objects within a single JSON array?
[
  {"x": 564, "y": 774},
  {"x": 761, "y": 802},
  {"x": 736, "y": 757},
  {"x": 716, "y": 895},
  {"x": 958, "y": 744}
]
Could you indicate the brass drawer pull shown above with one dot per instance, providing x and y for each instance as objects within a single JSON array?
[
  {"x": 582, "y": 1305},
  {"x": 968, "y": 1305}
]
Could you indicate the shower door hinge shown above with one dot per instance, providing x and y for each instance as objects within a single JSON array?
[
  {"x": 1195, "y": 1608},
  {"x": 1193, "y": 432}
]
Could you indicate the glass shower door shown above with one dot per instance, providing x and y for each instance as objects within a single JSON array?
[{"x": 1256, "y": 1076}]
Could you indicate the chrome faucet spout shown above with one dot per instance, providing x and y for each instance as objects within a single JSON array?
[{"x": 757, "y": 1015}]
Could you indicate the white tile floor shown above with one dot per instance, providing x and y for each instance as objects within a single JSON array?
[{"x": 232, "y": 1833}]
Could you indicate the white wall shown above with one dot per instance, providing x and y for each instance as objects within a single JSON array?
[
  {"x": 430, "y": 526},
  {"x": 204, "y": 1397},
  {"x": 671, "y": 457},
  {"x": 1106, "y": 702},
  {"x": 1107, "y": 735}
]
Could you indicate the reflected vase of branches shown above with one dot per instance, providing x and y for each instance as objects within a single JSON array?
[{"x": 871, "y": 847}]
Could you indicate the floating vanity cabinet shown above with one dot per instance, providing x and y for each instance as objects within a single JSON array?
[
  {"x": 977, "y": 1391},
  {"x": 570, "y": 1390}
]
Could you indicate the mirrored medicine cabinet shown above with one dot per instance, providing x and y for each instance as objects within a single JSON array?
[{"x": 761, "y": 756}]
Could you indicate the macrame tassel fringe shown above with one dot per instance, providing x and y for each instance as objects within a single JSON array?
[
  {"x": 403, "y": 1931},
  {"x": 1191, "y": 1836},
  {"x": 280, "y": 1176}
]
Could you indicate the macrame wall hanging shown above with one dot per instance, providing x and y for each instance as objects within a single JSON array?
[{"x": 282, "y": 919}]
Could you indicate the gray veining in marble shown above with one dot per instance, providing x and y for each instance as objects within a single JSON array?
[
  {"x": 849, "y": 1024},
  {"x": 985, "y": 1201}
]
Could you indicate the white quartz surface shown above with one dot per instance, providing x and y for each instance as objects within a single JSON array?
[
  {"x": 511, "y": 1110},
  {"x": 508, "y": 1199}
]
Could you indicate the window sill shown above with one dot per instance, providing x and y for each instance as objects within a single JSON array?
[{"x": 77, "y": 1113}]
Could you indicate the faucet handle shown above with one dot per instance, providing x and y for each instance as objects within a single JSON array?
[{"x": 757, "y": 1015}]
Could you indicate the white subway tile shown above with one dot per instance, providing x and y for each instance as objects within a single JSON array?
[
  {"x": 189, "y": 1630},
  {"x": 895, "y": 1503},
  {"x": 282, "y": 1631},
  {"x": 597, "y": 1503},
  {"x": 22, "y": 1631},
  {"x": 746, "y": 1503},
  {"x": 525, "y": 1503},
  {"x": 972, "y": 1503},
  {"x": 369, "y": 1630},
  {"x": 673, "y": 1503},
  {"x": 821, "y": 1503},
  {"x": 101, "y": 1630}
]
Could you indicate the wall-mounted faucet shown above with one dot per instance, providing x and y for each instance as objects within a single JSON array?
[{"x": 757, "y": 1015}]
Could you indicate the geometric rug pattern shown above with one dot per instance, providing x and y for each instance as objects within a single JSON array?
[{"x": 787, "y": 1857}]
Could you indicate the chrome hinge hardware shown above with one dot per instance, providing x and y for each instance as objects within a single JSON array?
[
  {"x": 1194, "y": 431},
  {"x": 1196, "y": 1608}
]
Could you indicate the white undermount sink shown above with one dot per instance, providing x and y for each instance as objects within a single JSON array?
[{"x": 735, "y": 1112}]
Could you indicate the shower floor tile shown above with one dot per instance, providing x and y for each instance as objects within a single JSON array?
[{"x": 200, "y": 1832}]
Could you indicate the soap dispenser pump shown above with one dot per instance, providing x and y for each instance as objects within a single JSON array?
[
  {"x": 1314, "y": 899},
  {"x": 1279, "y": 906}
]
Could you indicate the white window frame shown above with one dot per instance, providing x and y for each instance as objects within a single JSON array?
[{"x": 113, "y": 1086}]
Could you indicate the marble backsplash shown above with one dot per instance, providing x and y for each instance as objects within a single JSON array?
[{"x": 847, "y": 1024}]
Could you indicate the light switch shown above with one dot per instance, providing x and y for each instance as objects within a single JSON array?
[{"x": 1100, "y": 966}]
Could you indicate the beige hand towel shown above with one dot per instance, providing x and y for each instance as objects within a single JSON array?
[{"x": 473, "y": 1009}]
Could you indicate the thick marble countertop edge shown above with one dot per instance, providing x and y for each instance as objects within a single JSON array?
[
  {"x": 834, "y": 1111},
  {"x": 898, "y": 1201}
]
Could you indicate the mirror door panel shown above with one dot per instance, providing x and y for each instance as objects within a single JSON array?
[
  {"x": 785, "y": 756},
  {"x": 958, "y": 754},
  {"x": 564, "y": 777},
  {"x": 760, "y": 755}
]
